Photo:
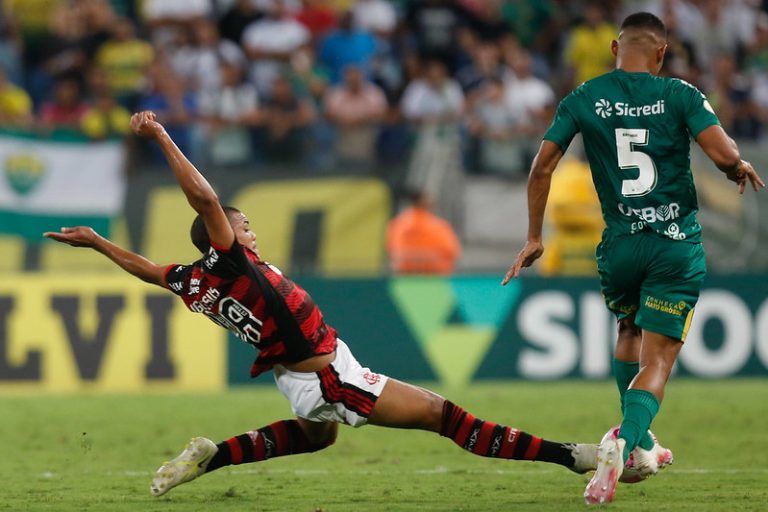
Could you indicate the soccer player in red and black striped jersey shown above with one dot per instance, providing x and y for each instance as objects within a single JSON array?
[{"x": 314, "y": 369}]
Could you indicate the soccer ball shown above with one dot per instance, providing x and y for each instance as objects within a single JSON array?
[{"x": 630, "y": 475}]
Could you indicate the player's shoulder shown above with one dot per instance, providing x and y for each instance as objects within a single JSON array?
[{"x": 678, "y": 85}]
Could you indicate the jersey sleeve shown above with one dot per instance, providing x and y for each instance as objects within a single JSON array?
[
  {"x": 563, "y": 127},
  {"x": 698, "y": 113},
  {"x": 176, "y": 277},
  {"x": 226, "y": 263}
]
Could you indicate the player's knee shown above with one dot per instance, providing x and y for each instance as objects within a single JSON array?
[
  {"x": 326, "y": 440},
  {"x": 434, "y": 415},
  {"x": 628, "y": 328}
]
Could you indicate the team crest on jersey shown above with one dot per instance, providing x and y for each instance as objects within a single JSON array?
[{"x": 603, "y": 108}]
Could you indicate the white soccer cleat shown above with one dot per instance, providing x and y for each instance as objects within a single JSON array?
[
  {"x": 190, "y": 464},
  {"x": 643, "y": 463},
  {"x": 584, "y": 457},
  {"x": 610, "y": 464}
]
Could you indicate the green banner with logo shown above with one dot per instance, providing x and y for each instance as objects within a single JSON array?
[
  {"x": 461, "y": 329},
  {"x": 49, "y": 183}
]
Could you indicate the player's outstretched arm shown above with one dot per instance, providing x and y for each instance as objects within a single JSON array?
[
  {"x": 200, "y": 194},
  {"x": 131, "y": 262},
  {"x": 724, "y": 152},
  {"x": 539, "y": 181}
]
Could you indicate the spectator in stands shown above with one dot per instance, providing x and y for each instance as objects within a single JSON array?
[
  {"x": 435, "y": 104},
  {"x": 105, "y": 117},
  {"x": 434, "y": 26},
  {"x": 531, "y": 99},
  {"x": 64, "y": 52},
  {"x": 588, "y": 52},
  {"x": 228, "y": 114},
  {"x": 346, "y": 46},
  {"x": 680, "y": 59},
  {"x": 175, "y": 106},
  {"x": 15, "y": 104},
  {"x": 318, "y": 17},
  {"x": 728, "y": 27},
  {"x": 376, "y": 16},
  {"x": 199, "y": 61},
  {"x": 31, "y": 19},
  {"x": 494, "y": 143},
  {"x": 356, "y": 108},
  {"x": 270, "y": 42},
  {"x": 419, "y": 242},
  {"x": 173, "y": 14},
  {"x": 533, "y": 22},
  {"x": 287, "y": 118},
  {"x": 66, "y": 109},
  {"x": 124, "y": 59},
  {"x": 485, "y": 65},
  {"x": 434, "y": 99},
  {"x": 730, "y": 94},
  {"x": 10, "y": 48},
  {"x": 240, "y": 15}
]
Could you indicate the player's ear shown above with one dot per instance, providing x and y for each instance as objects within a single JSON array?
[
  {"x": 615, "y": 47},
  {"x": 660, "y": 53}
]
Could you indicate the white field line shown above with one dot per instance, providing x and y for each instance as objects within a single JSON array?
[{"x": 439, "y": 470}]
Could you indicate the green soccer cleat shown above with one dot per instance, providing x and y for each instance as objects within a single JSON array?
[{"x": 190, "y": 464}]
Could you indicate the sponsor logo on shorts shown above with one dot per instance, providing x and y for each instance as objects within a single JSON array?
[
  {"x": 665, "y": 306},
  {"x": 371, "y": 378}
]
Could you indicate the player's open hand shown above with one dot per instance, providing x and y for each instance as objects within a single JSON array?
[
  {"x": 530, "y": 253},
  {"x": 744, "y": 174},
  {"x": 80, "y": 236},
  {"x": 144, "y": 124}
]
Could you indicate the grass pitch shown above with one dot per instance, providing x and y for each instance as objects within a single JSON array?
[{"x": 97, "y": 453}]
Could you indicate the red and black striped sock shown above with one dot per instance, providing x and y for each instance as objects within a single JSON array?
[
  {"x": 278, "y": 439},
  {"x": 489, "y": 439}
]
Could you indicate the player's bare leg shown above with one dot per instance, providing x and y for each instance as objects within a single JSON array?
[
  {"x": 657, "y": 357},
  {"x": 629, "y": 340},
  {"x": 319, "y": 433},
  {"x": 403, "y": 405}
]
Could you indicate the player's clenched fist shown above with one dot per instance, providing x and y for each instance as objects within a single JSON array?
[{"x": 144, "y": 124}]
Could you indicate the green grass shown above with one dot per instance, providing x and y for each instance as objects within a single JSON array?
[{"x": 97, "y": 453}]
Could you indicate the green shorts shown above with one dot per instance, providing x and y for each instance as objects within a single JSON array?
[{"x": 656, "y": 279}]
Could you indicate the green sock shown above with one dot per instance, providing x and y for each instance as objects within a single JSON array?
[
  {"x": 640, "y": 407},
  {"x": 624, "y": 372}
]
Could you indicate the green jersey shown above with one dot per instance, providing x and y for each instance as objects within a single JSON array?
[{"x": 636, "y": 129}]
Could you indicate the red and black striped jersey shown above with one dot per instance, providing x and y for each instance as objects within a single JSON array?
[{"x": 255, "y": 301}]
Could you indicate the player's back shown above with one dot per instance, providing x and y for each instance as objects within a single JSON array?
[{"x": 636, "y": 129}]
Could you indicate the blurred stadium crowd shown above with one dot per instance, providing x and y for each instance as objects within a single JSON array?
[{"x": 329, "y": 83}]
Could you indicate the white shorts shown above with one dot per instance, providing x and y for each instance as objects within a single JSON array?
[{"x": 342, "y": 392}]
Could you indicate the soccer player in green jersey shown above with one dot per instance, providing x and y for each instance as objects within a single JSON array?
[{"x": 636, "y": 128}]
